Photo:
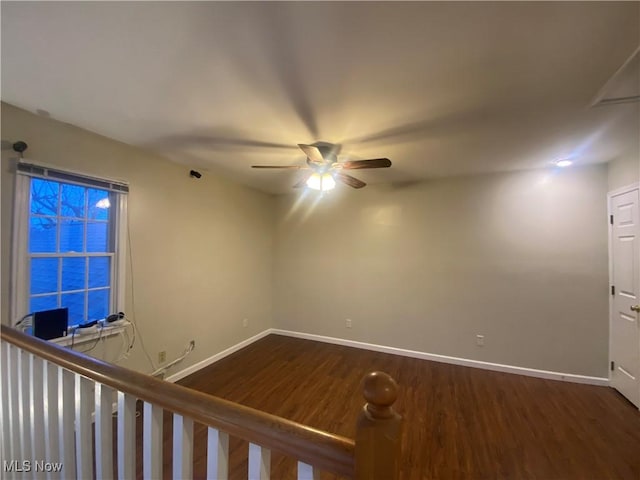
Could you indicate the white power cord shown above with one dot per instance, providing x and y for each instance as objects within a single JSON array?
[
  {"x": 166, "y": 367},
  {"x": 127, "y": 341}
]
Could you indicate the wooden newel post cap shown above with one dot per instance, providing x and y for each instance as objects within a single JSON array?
[
  {"x": 378, "y": 431},
  {"x": 380, "y": 391}
]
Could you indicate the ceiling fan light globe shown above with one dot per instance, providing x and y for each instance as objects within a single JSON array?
[
  {"x": 314, "y": 182},
  {"x": 328, "y": 183},
  {"x": 323, "y": 183}
]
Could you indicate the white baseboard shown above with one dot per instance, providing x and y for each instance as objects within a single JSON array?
[
  {"x": 530, "y": 372},
  {"x": 218, "y": 356},
  {"x": 465, "y": 362}
]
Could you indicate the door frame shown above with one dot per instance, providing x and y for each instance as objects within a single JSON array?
[{"x": 617, "y": 191}]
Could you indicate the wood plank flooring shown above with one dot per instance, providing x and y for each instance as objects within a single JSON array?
[{"x": 460, "y": 423}]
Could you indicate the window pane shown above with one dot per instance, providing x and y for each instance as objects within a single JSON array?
[
  {"x": 72, "y": 201},
  {"x": 44, "y": 197},
  {"x": 75, "y": 303},
  {"x": 99, "y": 204},
  {"x": 73, "y": 273},
  {"x": 71, "y": 235},
  {"x": 39, "y": 304},
  {"x": 44, "y": 275},
  {"x": 99, "y": 272},
  {"x": 97, "y": 237},
  {"x": 98, "y": 304},
  {"x": 42, "y": 235}
]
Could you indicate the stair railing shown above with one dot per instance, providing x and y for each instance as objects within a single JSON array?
[{"x": 51, "y": 396}]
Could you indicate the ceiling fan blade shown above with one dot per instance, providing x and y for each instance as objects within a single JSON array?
[
  {"x": 349, "y": 180},
  {"x": 312, "y": 153},
  {"x": 302, "y": 182},
  {"x": 373, "y": 163},
  {"x": 296, "y": 167}
]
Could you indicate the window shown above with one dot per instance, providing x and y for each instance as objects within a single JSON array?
[{"x": 68, "y": 230}]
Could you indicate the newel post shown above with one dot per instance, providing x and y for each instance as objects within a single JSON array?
[{"x": 379, "y": 430}]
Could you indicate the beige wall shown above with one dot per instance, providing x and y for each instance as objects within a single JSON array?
[
  {"x": 624, "y": 171},
  {"x": 520, "y": 258},
  {"x": 202, "y": 249}
]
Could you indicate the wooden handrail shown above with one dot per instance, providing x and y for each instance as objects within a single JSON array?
[{"x": 325, "y": 451}]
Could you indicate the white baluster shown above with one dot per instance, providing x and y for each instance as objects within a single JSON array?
[
  {"x": 259, "y": 462},
  {"x": 104, "y": 431},
  {"x": 152, "y": 441},
  {"x": 23, "y": 406},
  {"x": 51, "y": 432},
  {"x": 84, "y": 402},
  {"x": 5, "y": 385},
  {"x": 66, "y": 419},
  {"x": 126, "y": 436},
  {"x": 12, "y": 368},
  {"x": 182, "y": 447},
  {"x": 307, "y": 472},
  {"x": 36, "y": 413},
  {"x": 217, "y": 454}
]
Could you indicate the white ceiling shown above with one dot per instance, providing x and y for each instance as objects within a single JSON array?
[{"x": 440, "y": 88}]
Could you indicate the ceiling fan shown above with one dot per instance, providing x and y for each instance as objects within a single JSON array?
[{"x": 322, "y": 159}]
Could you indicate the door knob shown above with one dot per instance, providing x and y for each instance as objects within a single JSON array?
[{"x": 635, "y": 308}]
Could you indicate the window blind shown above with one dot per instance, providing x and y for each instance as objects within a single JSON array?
[{"x": 33, "y": 170}]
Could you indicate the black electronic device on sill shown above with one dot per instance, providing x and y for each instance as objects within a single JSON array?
[{"x": 49, "y": 324}]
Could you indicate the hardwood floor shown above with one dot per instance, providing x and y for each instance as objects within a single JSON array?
[{"x": 460, "y": 423}]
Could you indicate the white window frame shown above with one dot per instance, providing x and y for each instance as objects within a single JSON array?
[{"x": 19, "y": 305}]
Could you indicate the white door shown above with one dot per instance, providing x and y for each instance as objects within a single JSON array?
[{"x": 625, "y": 270}]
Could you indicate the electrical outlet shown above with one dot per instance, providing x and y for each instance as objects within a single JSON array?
[
  {"x": 348, "y": 323},
  {"x": 162, "y": 356},
  {"x": 245, "y": 322},
  {"x": 480, "y": 340}
]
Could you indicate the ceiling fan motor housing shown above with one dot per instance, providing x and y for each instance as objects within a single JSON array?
[
  {"x": 322, "y": 158},
  {"x": 329, "y": 151}
]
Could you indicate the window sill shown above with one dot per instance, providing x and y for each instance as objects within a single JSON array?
[{"x": 81, "y": 338}]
